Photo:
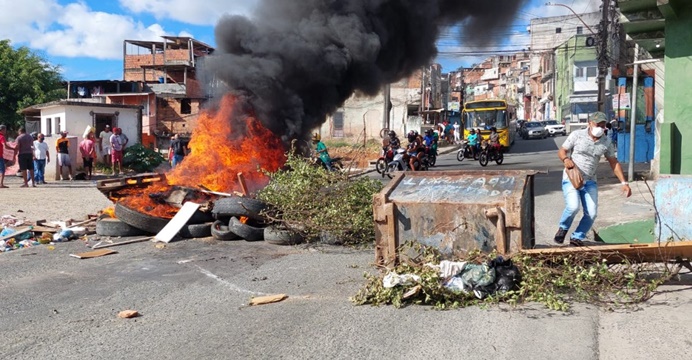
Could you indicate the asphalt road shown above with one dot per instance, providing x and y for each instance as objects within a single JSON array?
[{"x": 193, "y": 298}]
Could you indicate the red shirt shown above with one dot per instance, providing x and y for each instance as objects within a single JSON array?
[{"x": 2, "y": 145}]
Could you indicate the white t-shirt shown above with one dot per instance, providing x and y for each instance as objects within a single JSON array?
[
  {"x": 106, "y": 139},
  {"x": 40, "y": 150}
]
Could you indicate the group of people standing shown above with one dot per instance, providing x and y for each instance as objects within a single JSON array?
[{"x": 32, "y": 153}]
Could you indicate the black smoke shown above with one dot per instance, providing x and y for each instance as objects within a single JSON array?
[{"x": 296, "y": 61}]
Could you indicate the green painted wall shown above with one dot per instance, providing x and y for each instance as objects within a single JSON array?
[
  {"x": 565, "y": 56},
  {"x": 678, "y": 92}
]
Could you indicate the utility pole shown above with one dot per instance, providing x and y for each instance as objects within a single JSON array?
[
  {"x": 633, "y": 113},
  {"x": 387, "y": 101},
  {"x": 603, "y": 62}
]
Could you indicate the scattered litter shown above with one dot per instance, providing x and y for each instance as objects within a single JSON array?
[
  {"x": 184, "y": 261},
  {"x": 128, "y": 314},
  {"x": 261, "y": 300},
  {"x": 414, "y": 290},
  {"x": 10, "y": 221},
  {"x": 94, "y": 254},
  {"x": 499, "y": 275},
  {"x": 393, "y": 279},
  {"x": 160, "y": 246}
]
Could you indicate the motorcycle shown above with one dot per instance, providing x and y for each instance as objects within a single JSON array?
[
  {"x": 386, "y": 157},
  {"x": 431, "y": 155},
  {"x": 401, "y": 163},
  {"x": 464, "y": 152},
  {"x": 490, "y": 153}
]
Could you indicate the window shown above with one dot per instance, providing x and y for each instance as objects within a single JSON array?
[
  {"x": 338, "y": 124},
  {"x": 591, "y": 71},
  {"x": 185, "y": 106},
  {"x": 49, "y": 126},
  {"x": 579, "y": 73},
  {"x": 59, "y": 126},
  {"x": 580, "y": 30},
  {"x": 558, "y": 30}
]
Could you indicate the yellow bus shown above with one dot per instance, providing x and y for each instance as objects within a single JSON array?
[{"x": 485, "y": 114}]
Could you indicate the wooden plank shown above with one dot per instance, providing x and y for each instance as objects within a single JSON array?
[
  {"x": 133, "y": 241},
  {"x": 179, "y": 220},
  {"x": 633, "y": 252},
  {"x": 501, "y": 231},
  {"x": 17, "y": 233},
  {"x": 392, "y": 240},
  {"x": 94, "y": 254},
  {"x": 243, "y": 185},
  {"x": 261, "y": 300}
]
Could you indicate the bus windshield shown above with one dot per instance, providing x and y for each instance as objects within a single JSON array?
[{"x": 486, "y": 119}]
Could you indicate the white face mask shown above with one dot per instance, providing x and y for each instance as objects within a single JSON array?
[{"x": 597, "y": 131}]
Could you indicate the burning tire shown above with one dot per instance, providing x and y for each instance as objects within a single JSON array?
[
  {"x": 144, "y": 222},
  {"x": 238, "y": 207},
  {"x": 194, "y": 231},
  {"x": 245, "y": 231},
  {"x": 115, "y": 227},
  {"x": 219, "y": 231},
  {"x": 278, "y": 236}
]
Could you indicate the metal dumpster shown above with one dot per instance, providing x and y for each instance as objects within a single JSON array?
[{"x": 455, "y": 211}]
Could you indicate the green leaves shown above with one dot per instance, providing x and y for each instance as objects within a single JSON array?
[
  {"x": 311, "y": 200},
  {"x": 25, "y": 79},
  {"x": 141, "y": 159}
]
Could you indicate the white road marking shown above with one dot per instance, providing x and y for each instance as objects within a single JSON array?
[{"x": 232, "y": 286}]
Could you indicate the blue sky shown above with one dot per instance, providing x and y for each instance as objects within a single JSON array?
[{"x": 84, "y": 37}]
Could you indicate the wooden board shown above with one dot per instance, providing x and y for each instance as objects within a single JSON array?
[
  {"x": 261, "y": 300},
  {"x": 179, "y": 220},
  {"x": 94, "y": 254},
  {"x": 134, "y": 241},
  {"x": 632, "y": 252}
]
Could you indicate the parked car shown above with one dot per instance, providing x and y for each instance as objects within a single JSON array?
[
  {"x": 534, "y": 129},
  {"x": 555, "y": 128}
]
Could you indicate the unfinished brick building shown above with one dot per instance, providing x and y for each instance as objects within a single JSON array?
[{"x": 171, "y": 70}]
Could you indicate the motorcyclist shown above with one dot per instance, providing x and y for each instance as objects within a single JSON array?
[
  {"x": 394, "y": 142},
  {"x": 494, "y": 139},
  {"x": 430, "y": 141},
  {"x": 321, "y": 150},
  {"x": 473, "y": 141},
  {"x": 415, "y": 149}
]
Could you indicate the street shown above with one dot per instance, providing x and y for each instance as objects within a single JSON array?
[{"x": 193, "y": 298}]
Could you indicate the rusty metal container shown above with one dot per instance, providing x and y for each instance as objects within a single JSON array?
[{"x": 455, "y": 211}]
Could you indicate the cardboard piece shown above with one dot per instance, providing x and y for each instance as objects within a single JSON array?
[
  {"x": 261, "y": 300},
  {"x": 179, "y": 220},
  {"x": 128, "y": 314},
  {"x": 94, "y": 254}
]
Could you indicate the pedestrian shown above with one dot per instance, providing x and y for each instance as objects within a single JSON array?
[
  {"x": 457, "y": 137},
  {"x": 62, "y": 146},
  {"x": 41, "y": 158},
  {"x": 3, "y": 145},
  {"x": 116, "y": 151},
  {"x": 123, "y": 138},
  {"x": 25, "y": 157},
  {"x": 105, "y": 144},
  {"x": 178, "y": 150},
  {"x": 583, "y": 149},
  {"x": 88, "y": 150}
]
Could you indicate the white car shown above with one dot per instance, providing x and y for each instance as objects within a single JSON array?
[{"x": 554, "y": 127}]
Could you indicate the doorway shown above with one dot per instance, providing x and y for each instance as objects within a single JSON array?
[{"x": 101, "y": 120}]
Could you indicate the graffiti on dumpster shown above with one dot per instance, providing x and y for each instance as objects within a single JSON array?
[{"x": 466, "y": 189}]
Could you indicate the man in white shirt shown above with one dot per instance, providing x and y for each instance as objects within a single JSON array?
[
  {"x": 41, "y": 157},
  {"x": 105, "y": 144}
]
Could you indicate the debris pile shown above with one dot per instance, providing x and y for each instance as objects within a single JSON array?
[{"x": 17, "y": 233}]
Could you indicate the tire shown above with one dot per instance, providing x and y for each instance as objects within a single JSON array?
[
  {"x": 116, "y": 227},
  {"x": 432, "y": 160},
  {"x": 141, "y": 221},
  {"x": 195, "y": 231},
  {"x": 238, "y": 207},
  {"x": 245, "y": 231},
  {"x": 391, "y": 168},
  {"x": 384, "y": 133},
  {"x": 500, "y": 159},
  {"x": 460, "y": 155},
  {"x": 220, "y": 231},
  {"x": 483, "y": 159},
  {"x": 381, "y": 166},
  {"x": 277, "y": 236}
]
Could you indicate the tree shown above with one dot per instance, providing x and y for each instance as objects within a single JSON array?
[{"x": 25, "y": 79}]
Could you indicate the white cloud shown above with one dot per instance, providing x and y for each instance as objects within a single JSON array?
[
  {"x": 205, "y": 12},
  {"x": 71, "y": 30}
]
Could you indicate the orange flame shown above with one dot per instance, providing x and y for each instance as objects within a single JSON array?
[
  {"x": 218, "y": 153},
  {"x": 110, "y": 211}
]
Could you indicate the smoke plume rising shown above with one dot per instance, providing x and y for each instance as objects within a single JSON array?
[{"x": 297, "y": 61}]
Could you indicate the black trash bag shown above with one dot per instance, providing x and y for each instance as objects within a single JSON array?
[{"x": 507, "y": 275}]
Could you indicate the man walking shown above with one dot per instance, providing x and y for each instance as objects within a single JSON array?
[
  {"x": 583, "y": 149},
  {"x": 25, "y": 157},
  {"x": 41, "y": 157},
  {"x": 116, "y": 151},
  {"x": 88, "y": 151},
  {"x": 178, "y": 150},
  {"x": 62, "y": 146}
]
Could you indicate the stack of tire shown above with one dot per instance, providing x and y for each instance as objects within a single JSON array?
[
  {"x": 129, "y": 222},
  {"x": 228, "y": 226}
]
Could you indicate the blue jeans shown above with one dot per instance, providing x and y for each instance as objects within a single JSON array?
[
  {"x": 39, "y": 171},
  {"x": 588, "y": 198},
  {"x": 177, "y": 159}
]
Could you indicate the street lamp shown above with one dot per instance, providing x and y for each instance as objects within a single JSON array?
[{"x": 573, "y": 12}]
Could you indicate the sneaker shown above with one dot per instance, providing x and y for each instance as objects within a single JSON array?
[
  {"x": 560, "y": 236},
  {"x": 576, "y": 242}
]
